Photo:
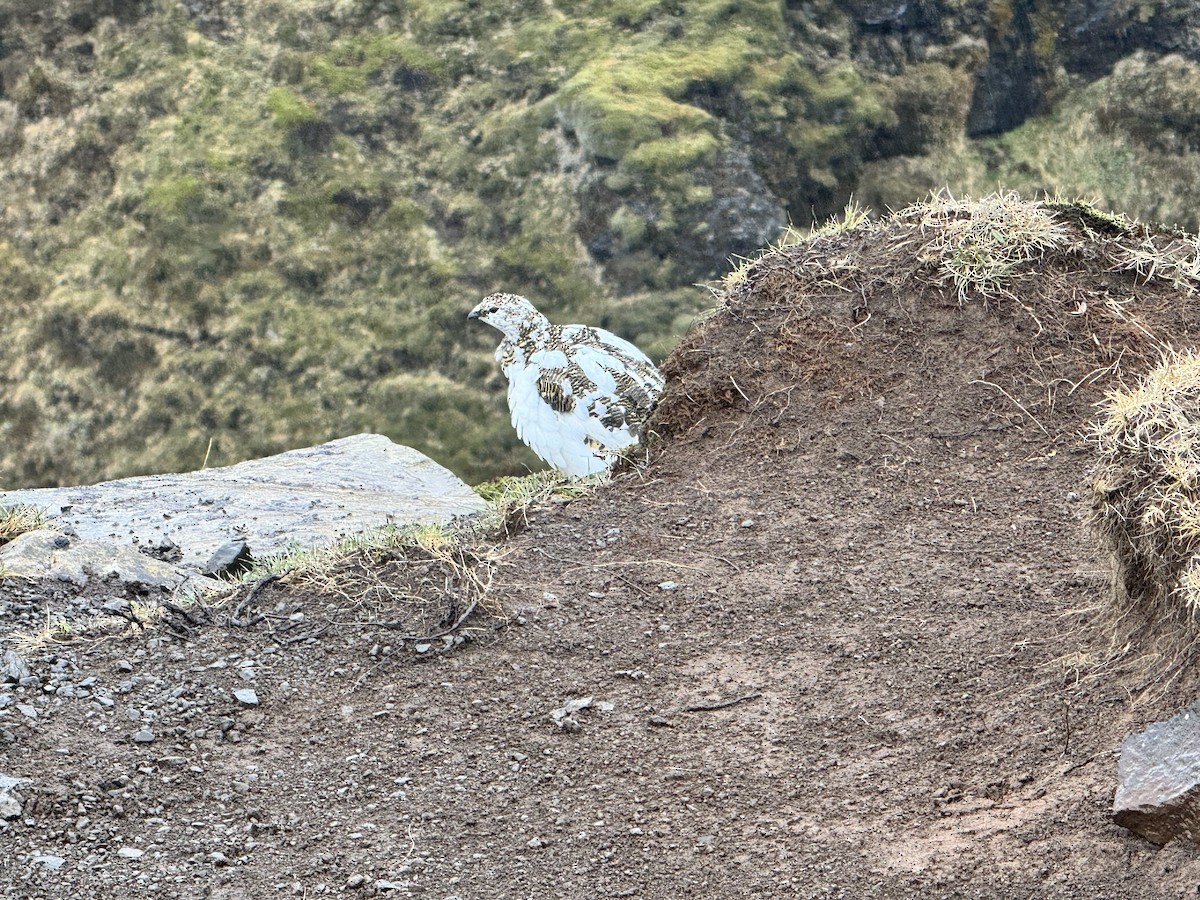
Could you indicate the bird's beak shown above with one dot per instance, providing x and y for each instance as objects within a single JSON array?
[{"x": 473, "y": 314}]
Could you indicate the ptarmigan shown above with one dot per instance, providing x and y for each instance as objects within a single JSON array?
[{"x": 578, "y": 395}]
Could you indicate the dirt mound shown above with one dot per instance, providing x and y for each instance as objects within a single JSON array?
[
  {"x": 840, "y": 619},
  {"x": 1061, "y": 298}
]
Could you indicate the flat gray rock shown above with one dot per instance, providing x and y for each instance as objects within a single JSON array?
[
  {"x": 11, "y": 803},
  {"x": 46, "y": 553},
  {"x": 1158, "y": 780},
  {"x": 301, "y": 498},
  {"x": 13, "y": 667}
]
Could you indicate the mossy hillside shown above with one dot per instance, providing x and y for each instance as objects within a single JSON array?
[
  {"x": 271, "y": 239},
  {"x": 254, "y": 276},
  {"x": 1105, "y": 141}
]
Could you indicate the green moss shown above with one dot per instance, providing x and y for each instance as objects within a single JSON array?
[
  {"x": 356, "y": 59},
  {"x": 665, "y": 156},
  {"x": 288, "y": 109},
  {"x": 177, "y": 195},
  {"x": 630, "y": 226}
]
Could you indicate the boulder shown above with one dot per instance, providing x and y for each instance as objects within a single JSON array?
[
  {"x": 301, "y": 498},
  {"x": 1158, "y": 780}
]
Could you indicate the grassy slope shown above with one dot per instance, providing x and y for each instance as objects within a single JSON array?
[
  {"x": 271, "y": 240},
  {"x": 1104, "y": 142}
]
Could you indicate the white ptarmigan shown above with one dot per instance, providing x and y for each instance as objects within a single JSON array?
[{"x": 578, "y": 395}]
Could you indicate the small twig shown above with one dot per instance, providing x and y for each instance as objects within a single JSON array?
[
  {"x": 297, "y": 638},
  {"x": 250, "y": 597},
  {"x": 724, "y": 704},
  {"x": 1015, "y": 402},
  {"x": 1067, "y": 720},
  {"x": 1079, "y": 765},
  {"x": 436, "y": 634}
]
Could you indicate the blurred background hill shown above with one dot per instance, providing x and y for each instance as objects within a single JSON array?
[{"x": 233, "y": 228}]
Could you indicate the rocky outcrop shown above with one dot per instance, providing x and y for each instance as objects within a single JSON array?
[
  {"x": 47, "y": 553},
  {"x": 1096, "y": 34},
  {"x": 297, "y": 499}
]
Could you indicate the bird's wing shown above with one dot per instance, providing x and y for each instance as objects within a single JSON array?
[
  {"x": 629, "y": 358},
  {"x": 609, "y": 394},
  {"x": 549, "y": 417},
  {"x": 576, "y": 405},
  {"x": 577, "y": 335}
]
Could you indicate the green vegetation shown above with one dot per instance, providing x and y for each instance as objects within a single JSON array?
[{"x": 1109, "y": 141}]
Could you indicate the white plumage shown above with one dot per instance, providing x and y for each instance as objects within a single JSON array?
[{"x": 578, "y": 395}]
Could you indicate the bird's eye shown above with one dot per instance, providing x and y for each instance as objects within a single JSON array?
[{"x": 493, "y": 309}]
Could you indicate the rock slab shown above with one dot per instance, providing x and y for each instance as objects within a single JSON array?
[
  {"x": 1158, "y": 780},
  {"x": 301, "y": 498},
  {"x": 46, "y": 553}
]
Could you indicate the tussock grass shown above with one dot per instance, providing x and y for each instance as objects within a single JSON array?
[
  {"x": 853, "y": 217},
  {"x": 510, "y": 497},
  {"x": 16, "y": 520},
  {"x": 1146, "y": 490},
  {"x": 979, "y": 244},
  {"x": 375, "y": 543},
  {"x": 1177, "y": 261}
]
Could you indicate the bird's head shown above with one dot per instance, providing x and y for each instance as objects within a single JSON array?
[{"x": 509, "y": 314}]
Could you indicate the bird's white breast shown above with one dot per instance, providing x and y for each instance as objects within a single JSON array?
[{"x": 577, "y": 395}]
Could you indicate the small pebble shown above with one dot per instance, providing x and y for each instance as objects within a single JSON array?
[
  {"x": 130, "y": 853},
  {"x": 143, "y": 735},
  {"x": 246, "y": 696}
]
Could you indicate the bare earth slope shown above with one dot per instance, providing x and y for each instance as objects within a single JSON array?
[{"x": 840, "y": 617}]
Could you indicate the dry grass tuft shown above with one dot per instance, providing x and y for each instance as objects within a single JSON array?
[
  {"x": 978, "y": 245},
  {"x": 16, "y": 520},
  {"x": 59, "y": 629},
  {"x": 510, "y": 498},
  {"x": 1146, "y": 491}
]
